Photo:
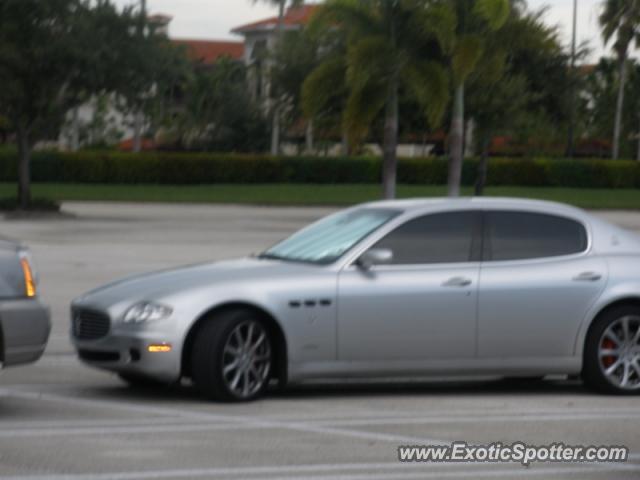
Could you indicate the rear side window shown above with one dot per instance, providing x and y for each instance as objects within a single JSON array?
[
  {"x": 436, "y": 238},
  {"x": 525, "y": 235}
]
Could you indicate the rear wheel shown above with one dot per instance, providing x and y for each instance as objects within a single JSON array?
[
  {"x": 612, "y": 352},
  {"x": 232, "y": 357}
]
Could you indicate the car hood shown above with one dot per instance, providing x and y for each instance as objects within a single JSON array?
[{"x": 159, "y": 284}]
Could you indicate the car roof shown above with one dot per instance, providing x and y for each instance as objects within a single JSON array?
[{"x": 477, "y": 203}]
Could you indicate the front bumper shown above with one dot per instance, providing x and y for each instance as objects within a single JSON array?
[
  {"x": 127, "y": 352},
  {"x": 25, "y": 326}
]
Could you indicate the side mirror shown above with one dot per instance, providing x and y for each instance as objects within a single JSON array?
[{"x": 373, "y": 257}]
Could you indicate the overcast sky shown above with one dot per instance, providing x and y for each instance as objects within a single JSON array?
[{"x": 213, "y": 19}]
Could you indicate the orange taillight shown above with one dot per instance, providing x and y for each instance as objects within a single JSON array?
[{"x": 29, "y": 282}]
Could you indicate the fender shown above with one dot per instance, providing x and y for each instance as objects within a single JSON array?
[{"x": 620, "y": 294}]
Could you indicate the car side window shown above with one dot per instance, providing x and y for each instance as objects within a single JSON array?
[
  {"x": 436, "y": 238},
  {"x": 526, "y": 235}
]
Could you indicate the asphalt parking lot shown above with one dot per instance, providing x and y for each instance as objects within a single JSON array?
[{"x": 61, "y": 420}]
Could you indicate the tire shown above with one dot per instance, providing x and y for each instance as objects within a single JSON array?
[
  {"x": 232, "y": 357},
  {"x": 611, "y": 355}
]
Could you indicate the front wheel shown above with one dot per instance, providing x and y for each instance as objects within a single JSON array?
[
  {"x": 232, "y": 357},
  {"x": 612, "y": 352}
]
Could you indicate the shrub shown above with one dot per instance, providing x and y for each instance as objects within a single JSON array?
[{"x": 207, "y": 168}]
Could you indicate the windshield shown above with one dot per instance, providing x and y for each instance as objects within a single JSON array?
[{"x": 328, "y": 239}]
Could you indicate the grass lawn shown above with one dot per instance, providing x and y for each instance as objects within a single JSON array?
[{"x": 310, "y": 194}]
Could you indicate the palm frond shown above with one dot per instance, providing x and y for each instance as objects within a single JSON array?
[
  {"x": 492, "y": 67},
  {"x": 428, "y": 82},
  {"x": 494, "y": 12},
  {"x": 351, "y": 15},
  {"x": 439, "y": 21},
  {"x": 364, "y": 104},
  {"x": 370, "y": 57},
  {"x": 467, "y": 54},
  {"x": 620, "y": 19},
  {"x": 322, "y": 86}
]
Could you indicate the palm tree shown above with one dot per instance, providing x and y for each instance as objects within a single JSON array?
[
  {"x": 620, "y": 19},
  {"x": 275, "y": 125},
  {"x": 390, "y": 45},
  {"x": 475, "y": 19}
]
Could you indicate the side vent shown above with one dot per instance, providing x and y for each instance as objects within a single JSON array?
[{"x": 310, "y": 303}]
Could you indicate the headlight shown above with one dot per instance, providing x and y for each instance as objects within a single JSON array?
[{"x": 147, "y": 312}]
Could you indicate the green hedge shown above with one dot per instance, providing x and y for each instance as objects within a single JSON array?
[{"x": 196, "y": 168}]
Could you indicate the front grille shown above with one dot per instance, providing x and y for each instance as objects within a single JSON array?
[
  {"x": 103, "y": 357},
  {"x": 89, "y": 324}
]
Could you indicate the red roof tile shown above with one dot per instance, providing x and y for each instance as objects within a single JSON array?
[
  {"x": 208, "y": 51},
  {"x": 293, "y": 17}
]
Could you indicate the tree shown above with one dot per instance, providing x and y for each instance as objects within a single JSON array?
[
  {"x": 217, "y": 112},
  {"x": 294, "y": 61},
  {"x": 620, "y": 19},
  {"x": 151, "y": 67},
  {"x": 55, "y": 55},
  {"x": 276, "y": 107},
  {"x": 325, "y": 93},
  {"x": 509, "y": 90},
  {"x": 601, "y": 91},
  {"x": 474, "y": 20},
  {"x": 391, "y": 46}
]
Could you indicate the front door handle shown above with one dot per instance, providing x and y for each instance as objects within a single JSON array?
[
  {"x": 457, "y": 282},
  {"x": 587, "y": 277}
]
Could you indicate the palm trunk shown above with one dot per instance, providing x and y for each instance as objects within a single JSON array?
[
  {"x": 481, "y": 179},
  {"x": 344, "y": 144},
  {"x": 275, "y": 122},
  {"x": 617, "y": 129},
  {"x": 138, "y": 118},
  {"x": 24, "y": 167},
  {"x": 308, "y": 136},
  {"x": 137, "y": 132},
  {"x": 75, "y": 131},
  {"x": 572, "y": 93},
  {"x": 275, "y": 131},
  {"x": 638, "y": 152},
  {"x": 390, "y": 159},
  {"x": 457, "y": 143}
]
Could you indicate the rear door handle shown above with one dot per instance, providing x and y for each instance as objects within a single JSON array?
[
  {"x": 587, "y": 277},
  {"x": 457, "y": 282}
]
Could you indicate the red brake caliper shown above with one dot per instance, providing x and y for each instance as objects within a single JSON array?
[{"x": 608, "y": 360}]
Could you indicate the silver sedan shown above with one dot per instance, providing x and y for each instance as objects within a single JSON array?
[
  {"x": 24, "y": 320},
  {"x": 506, "y": 287}
]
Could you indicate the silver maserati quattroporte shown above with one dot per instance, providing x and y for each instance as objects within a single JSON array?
[{"x": 507, "y": 287}]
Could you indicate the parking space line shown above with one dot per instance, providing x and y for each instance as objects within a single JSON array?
[
  {"x": 482, "y": 419},
  {"x": 238, "y": 422},
  {"x": 123, "y": 430},
  {"x": 250, "y": 421},
  {"x": 177, "y": 421},
  {"x": 373, "y": 413},
  {"x": 91, "y": 423},
  {"x": 359, "y": 471}
]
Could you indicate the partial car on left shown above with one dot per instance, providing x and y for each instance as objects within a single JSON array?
[{"x": 24, "y": 320}]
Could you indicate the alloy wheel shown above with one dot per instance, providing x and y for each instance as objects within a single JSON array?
[
  {"x": 619, "y": 353},
  {"x": 246, "y": 361}
]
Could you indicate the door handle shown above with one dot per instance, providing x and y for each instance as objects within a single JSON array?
[
  {"x": 457, "y": 282},
  {"x": 587, "y": 277}
]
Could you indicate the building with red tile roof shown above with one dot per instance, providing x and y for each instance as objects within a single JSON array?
[
  {"x": 295, "y": 17},
  {"x": 207, "y": 52}
]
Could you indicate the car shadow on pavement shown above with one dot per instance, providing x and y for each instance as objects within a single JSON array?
[
  {"x": 354, "y": 389},
  {"x": 469, "y": 388}
]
